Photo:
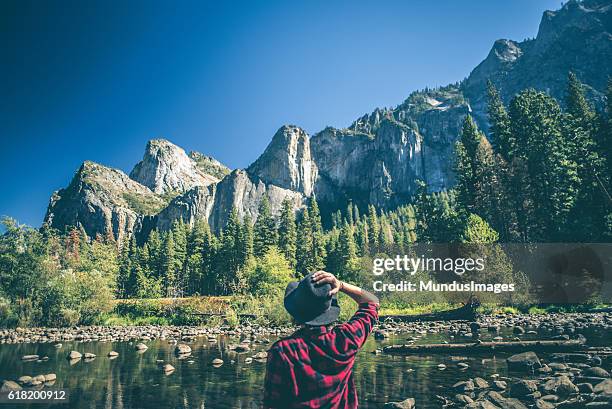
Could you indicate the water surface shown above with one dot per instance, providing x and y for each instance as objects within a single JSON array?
[{"x": 135, "y": 380}]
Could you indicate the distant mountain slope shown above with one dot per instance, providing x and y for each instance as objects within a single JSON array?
[{"x": 377, "y": 159}]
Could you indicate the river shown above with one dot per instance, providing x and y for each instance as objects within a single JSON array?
[{"x": 136, "y": 380}]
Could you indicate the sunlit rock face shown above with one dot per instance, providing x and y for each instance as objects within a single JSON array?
[
  {"x": 287, "y": 161},
  {"x": 102, "y": 201},
  {"x": 166, "y": 168},
  {"x": 378, "y": 159}
]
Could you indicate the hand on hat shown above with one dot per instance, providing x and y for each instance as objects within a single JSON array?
[{"x": 322, "y": 277}]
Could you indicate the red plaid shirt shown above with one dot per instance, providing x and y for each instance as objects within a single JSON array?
[{"x": 313, "y": 368}]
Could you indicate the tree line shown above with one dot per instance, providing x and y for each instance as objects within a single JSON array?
[{"x": 544, "y": 175}]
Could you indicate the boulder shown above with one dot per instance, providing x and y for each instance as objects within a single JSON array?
[
  {"x": 604, "y": 388},
  {"x": 559, "y": 385},
  {"x": 405, "y": 404},
  {"x": 8, "y": 386},
  {"x": 523, "y": 362},
  {"x": 74, "y": 355},
  {"x": 182, "y": 349},
  {"x": 523, "y": 387}
]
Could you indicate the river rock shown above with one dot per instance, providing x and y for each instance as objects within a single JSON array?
[
  {"x": 481, "y": 383},
  {"x": 89, "y": 355},
  {"x": 39, "y": 378},
  {"x": 604, "y": 388},
  {"x": 559, "y": 385},
  {"x": 405, "y": 404},
  {"x": 8, "y": 386},
  {"x": 29, "y": 357},
  {"x": 542, "y": 404},
  {"x": 50, "y": 377},
  {"x": 464, "y": 386},
  {"x": 597, "y": 371},
  {"x": 167, "y": 368},
  {"x": 24, "y": 379},
  {"x": 74, "y": 355},
  {"x": 523, "y": 362},
  {"x": 503, "y": 402},
  {"x": 141, "y": 347},
  {"x": 182, "y": 349},
  {"x": 113, "y": 354},
  {"x": 242, "y": 348},
  {"x": 585, "y": 387},
  {"x": 523, "y": 387},
  {"x": 481, "y": 404},
  {"x": 217, "y": 362},
  {"x": 466, "y": 400}
]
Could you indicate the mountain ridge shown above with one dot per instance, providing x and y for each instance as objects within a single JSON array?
[{"x": 377, "y": 159}]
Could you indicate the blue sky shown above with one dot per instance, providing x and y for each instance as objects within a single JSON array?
[{"x": 95, "y": 80}]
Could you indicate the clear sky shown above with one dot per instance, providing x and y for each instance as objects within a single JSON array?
[{"x": 97, "y": 79}]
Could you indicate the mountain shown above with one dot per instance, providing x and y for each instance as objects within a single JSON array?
[
  {"x": 166, "y": 168},
  {"x": 378, "y": 159},
  {"x": 100, "y": 200}
]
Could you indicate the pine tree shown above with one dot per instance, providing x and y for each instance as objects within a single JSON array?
[
  {"x": 169, "y": 264},
  {"x": 499, "y": 119},
  {"x": 287, "y": 233},
  {"x": 547, "y": 178},
  {"x": 346, "y": 249},
  {"x": 588, "y": 214},
  {"x": 265, "y": 234},
  {"x": 361, "y": 239},
  {"x": 317, "y": 258},
  {"x": 247, "y": 240},
  {"x": 373, "y": 229},
  {"x": 179, "y": 235},
  {"x": 474, "y": 169},
  {"x": 304, "y": 244}
]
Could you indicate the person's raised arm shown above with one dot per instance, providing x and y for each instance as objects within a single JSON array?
[{"x": 360, "y": 295}]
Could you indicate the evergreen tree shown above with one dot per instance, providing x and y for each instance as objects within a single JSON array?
[
  {"x": 546, "y": 178},
  {"x": 373, "y": 229},
  {"x": 346, "y": 246},
  {"x": 499, "y": 119},
  {"x": 304, "y": 244},
  {"x": 169, "y": 264},
  {"x": 287, "y": 233},
  {"x": 265, "y": 234},
  {"x": 589, "y": 211},
  {"x": 248, "y": 235},
  {"x": 317, "y": 258},
  {"x": 179, "y": 236}
]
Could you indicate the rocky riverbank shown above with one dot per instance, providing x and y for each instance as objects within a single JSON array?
[
  {"x": 553, "y": 325},
  {"x": 533, "y": 378},
  {"x": 136, "y": 333}
]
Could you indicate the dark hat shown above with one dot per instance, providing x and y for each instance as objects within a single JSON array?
[{"x": 311, "y": 304}]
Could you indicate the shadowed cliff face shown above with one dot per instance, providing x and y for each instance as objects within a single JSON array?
[
  {"x": 377, "y": 159},
  {"x": 102, "y": 200}
]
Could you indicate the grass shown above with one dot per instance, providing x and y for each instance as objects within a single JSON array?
[{"x": 270, "y": 310}]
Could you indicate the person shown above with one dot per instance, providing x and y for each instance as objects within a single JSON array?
[{"x": 313, "y": 367}]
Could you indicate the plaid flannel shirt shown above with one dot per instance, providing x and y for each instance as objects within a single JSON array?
[{"x": 313, "y": 368}]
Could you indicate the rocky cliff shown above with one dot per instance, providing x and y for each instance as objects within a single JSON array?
[
  {"x": 377, "y": 159},
  {"x": 166, "y": 168},
  {"x": 102, "y": 200}
]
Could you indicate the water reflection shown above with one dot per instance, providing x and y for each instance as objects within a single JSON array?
[{"x": 138, "y": 380}]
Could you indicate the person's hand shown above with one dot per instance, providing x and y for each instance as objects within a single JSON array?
[{"x": 322, "y": 277}]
